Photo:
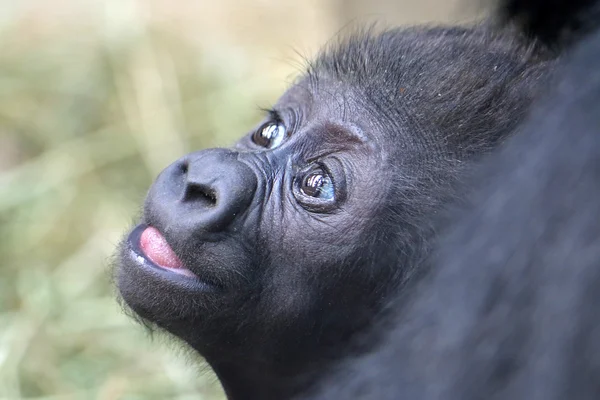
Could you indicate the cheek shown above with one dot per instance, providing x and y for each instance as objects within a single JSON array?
[{"x": 306, "y": 243}]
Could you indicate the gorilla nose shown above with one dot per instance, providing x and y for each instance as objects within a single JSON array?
[
  {"x": 217, "y": 185},
  {"x": 203, "y": 191}
]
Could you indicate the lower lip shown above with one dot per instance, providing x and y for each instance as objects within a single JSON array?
[{"x": 138, "y": 254}]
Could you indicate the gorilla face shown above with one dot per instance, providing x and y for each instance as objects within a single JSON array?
[
  {"x": 268, "y": 257},
  {"x": 259, "y": 230}
]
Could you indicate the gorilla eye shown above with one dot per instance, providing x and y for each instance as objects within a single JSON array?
[
  {"x": 318, "y": 184},
  {"x": 321, "y": 188},
  {"x": 269, "y": 135}
]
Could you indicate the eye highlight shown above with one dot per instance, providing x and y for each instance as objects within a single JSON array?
[
  {"x": 321, "y": 187},
  {"x": 270, "y": 135},
  {"x": 318, "y": 184}
]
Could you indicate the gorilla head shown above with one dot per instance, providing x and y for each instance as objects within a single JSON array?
[{"x": 269, "y": 256}]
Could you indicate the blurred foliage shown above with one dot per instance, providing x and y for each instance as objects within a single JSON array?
[{"x": 87, "y": 120}]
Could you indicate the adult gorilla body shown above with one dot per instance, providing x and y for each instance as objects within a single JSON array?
[
  {"x": 270, "y": 257},
  {"x": 511, "y": 307}
]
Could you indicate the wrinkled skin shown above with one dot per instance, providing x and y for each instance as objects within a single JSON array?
[{"x": 295, "y": 238}]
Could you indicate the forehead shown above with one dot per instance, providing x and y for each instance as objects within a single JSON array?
[
  {"x": 333, "y": 102},
  {"x": 315, "y": 96}
]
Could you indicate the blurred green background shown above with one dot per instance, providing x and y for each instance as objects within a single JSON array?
[{"x": 96, "y": 97}]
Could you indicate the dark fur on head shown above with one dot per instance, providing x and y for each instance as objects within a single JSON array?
[{"x": 458, "y": 85}]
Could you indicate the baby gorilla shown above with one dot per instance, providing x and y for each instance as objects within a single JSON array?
[{"x": 269, "y": 257}]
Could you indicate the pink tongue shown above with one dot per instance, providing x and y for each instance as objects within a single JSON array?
[{"x": 158, "y": 250}]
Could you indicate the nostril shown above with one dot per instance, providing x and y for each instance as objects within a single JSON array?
[
  {"x": 183, "y": 166},
  {"x": 200, "y": 194}
]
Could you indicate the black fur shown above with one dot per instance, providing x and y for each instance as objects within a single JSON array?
[
  {"x": 285, "y": 282},
  {"x": 511, "y": 308},
  {"x": 554, "y": 21}
]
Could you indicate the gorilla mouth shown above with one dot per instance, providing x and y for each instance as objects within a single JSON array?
[{"x": 152, "y": 247}]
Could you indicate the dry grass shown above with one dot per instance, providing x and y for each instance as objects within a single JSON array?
[{"x": 89, "y": 114}]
